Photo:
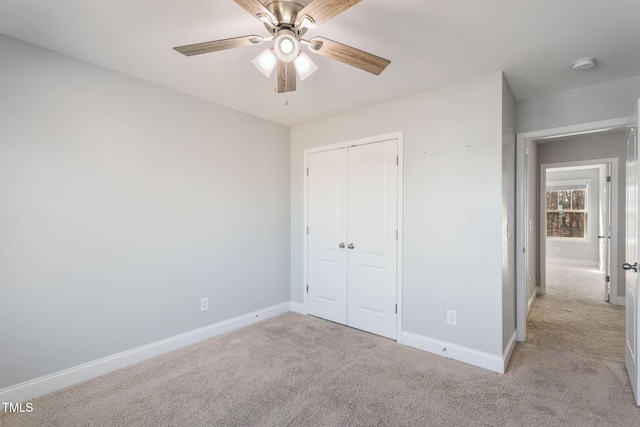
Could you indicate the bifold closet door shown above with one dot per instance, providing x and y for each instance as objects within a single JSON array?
[
  {"x": 372, "y": 243},
  {"x": 327, "y": 221}
]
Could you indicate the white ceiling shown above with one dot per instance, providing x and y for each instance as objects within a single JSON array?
[{"x": 430, "y": 43}]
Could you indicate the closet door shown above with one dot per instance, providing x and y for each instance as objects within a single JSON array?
[
  {"x": 327, "y": 220},
  {"x": 372, "y": 239}
]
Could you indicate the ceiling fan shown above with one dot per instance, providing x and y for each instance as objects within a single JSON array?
[{"x": 287, "y": 21}]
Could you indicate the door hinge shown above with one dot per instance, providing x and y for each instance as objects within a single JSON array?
[
  {"x": 307, "y": 229},
  {"x": 396, "y": 234},
  {"x": 397, "y": 160},
  {"x": 307, "y": 171},
  {"x": 307, "y": 288},
  {"x": 607, "y": 279},
  {"x": 396, "y": 308},
  {"x": 608, "y": 179}
]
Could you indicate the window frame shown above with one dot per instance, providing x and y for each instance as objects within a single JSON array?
[{"x": 557, "y": 186}]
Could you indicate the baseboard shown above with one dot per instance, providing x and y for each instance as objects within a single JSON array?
[
  {"x": 568, "y": 261},
  {"x": 532, "y": 299},
  {"x": 68, "y": 377},
  {"x": 620, "y": 301},
  {"x": 456, "y": 352},
  {"x": 508, "y": 350},
  {"x": 296, "y": 307}
]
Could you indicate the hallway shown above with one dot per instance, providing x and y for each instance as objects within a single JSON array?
[{"x": 574, "y": 317}]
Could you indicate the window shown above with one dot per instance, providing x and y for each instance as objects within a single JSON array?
[{"x": 567, "y": 211}]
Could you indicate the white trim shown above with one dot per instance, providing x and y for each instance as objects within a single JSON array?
[
  {"x": 455, "y": 352},
  {"x": 77, "y": 374},
  {"x": 568, "y": 261},
  {"x": 508, "y": 350},
  {"x": 619, "y": 301},
  {"x": 296, "y": 307},
  {"x": 399, "y": 137},
  {"x": 560, "y": 183},
  {"x": 521, "y": 193},
  {"x": 532, "y": 300},
  {"x": 362, "y": 141}
]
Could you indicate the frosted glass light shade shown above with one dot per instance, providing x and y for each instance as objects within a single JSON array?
[
  {"x": 286, "y": 47},
  {"x": 265, "y": 62},
  {"x": 304, "y": 66}
]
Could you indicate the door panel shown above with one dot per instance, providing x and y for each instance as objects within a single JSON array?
[
  {"x": 372, "y": 222},
  {"x": 605, "y": 233},
  {"x": 327, "y": 210},
  {"x": 631, "y": 257}
]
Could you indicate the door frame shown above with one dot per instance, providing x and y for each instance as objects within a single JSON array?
[
  {"x": 522, "y": 245},
  {"x": 398, "y": 136},
  {"x": 613, "y": 208}
]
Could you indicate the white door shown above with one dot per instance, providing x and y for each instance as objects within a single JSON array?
[
  {"x": 631, "y": 257},
  {"x": 373, "y": 218},
  {"x": 352, "y": 246},
  {"x": 327, "y": 221},
  {"x": 604, "y": 235}
]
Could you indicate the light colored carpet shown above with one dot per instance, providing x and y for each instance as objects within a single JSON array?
[{"x": 296, "y": 370}]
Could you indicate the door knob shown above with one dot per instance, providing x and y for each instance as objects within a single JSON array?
[
  {"x": 341, "y": 245},
  {"x": 351, "y": 246},
  {"x": 627, "y": 266}
]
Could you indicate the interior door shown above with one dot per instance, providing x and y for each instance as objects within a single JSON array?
[
  {"x": 631, "y": 256},
  {"x": 605, "y": 232},
  {"x": 372, "y": 242},
  {"x": 327, "y": 221}
]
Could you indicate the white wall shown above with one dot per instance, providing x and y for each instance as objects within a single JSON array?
[
  {"x": 123, "y": 203},
  {"x": 609, "y": 100},
  {"x": 452, "y": 200},
  {"x": 590, "y": 147}
]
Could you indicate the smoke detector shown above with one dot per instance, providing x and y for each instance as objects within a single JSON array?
[{"x": 584, "y": 64}]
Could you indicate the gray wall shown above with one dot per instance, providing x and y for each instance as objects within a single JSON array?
[
  {"x": 453, "y": 222},
  {"x": 508, "y": 214},
  {"x": 590, "y": 147},
  {"x": 609, "y": 100},
  {"x": 580, "y": 250},
  {"x": 123, "y": 203}
]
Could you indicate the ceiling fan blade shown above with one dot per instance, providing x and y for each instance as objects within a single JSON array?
[
  {"x": 320, "y": 11},
  {"x": 257, "y": 9},
  {"x": 286, "y": 77},
  {"x": 214, "y": 46},
  {"x": 349, "y": 55}
]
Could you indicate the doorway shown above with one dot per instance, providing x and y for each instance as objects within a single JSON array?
[
  {"x": 527, "y": 212},
  {"x": 578, "y": 222}
]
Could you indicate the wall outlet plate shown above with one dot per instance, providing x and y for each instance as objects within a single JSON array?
[
  {"x": 452, "y": 318},
  {"x": 204, "y": 304}
]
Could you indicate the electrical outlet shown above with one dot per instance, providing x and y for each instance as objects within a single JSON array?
[
  {"x": 452, "y": 318},
  {"x": 556, "y": 249},
  {"x": 204, "y": 304}
]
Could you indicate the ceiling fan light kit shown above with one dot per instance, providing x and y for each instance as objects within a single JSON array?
[
  {"x": 266, "y": 62},
  {"x": 287, "y": 21},
  {"x": 286, "y": 46},
  {"x": 304, "y": 66}
]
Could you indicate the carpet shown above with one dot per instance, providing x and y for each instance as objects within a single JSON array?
[{"x": 295, "y": 370}]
